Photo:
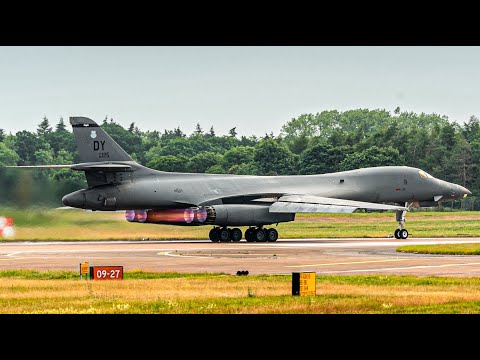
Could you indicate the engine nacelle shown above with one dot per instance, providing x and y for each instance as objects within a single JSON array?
[
  {"x": 246, "y": 215},
  {"x": 223, "y": 215}
]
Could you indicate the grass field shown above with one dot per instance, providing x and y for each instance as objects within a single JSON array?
[
  {"x": 33, "y": 292},
  {"x": 442, "y": 249},
  {"x": 46, "y": 224},
  {"x": 62, "y": 292}
]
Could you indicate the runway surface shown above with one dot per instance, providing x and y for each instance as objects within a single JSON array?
[{"x": 323, "y": 256}]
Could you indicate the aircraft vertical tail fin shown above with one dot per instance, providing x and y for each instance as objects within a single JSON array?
[{"x": 94, "y": 144}]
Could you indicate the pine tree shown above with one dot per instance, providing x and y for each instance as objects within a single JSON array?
[
  {"x": 60, "y": 126},
  {"x": 132, "y": 127},
  {"x": 178, "y": 133},
  {"x": 198, "y": 129},
  {"x": 44, "y": 127}
]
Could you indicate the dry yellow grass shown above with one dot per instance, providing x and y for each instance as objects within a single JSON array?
[{"x": 230, "y": 294}]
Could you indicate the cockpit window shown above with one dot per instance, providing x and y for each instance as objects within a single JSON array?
[{"x": 425, "y": 175}]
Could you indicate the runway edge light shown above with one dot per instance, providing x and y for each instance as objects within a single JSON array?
[
  {"x": 304, "y": 283},
  {"x": 6, "y": 227}
]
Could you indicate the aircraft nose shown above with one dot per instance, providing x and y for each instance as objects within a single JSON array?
[
  {"x": 461, "y": 192},
  {"x": 465, "y": 191},
  {"x": 453, "y": 191}
]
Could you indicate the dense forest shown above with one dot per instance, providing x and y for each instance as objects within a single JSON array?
[{"x": 308, "y": 144}]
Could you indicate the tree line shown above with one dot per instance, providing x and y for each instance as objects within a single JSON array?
[{"x": 318, "y": 143}]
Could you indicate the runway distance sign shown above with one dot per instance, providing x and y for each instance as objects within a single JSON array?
[
  {"x": 83, "y": 269},
  {"x": 106, "y": 272},
  {"x": 304, "y": 283}
]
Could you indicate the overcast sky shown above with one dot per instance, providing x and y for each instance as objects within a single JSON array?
[{"x": 256, "y": 89}]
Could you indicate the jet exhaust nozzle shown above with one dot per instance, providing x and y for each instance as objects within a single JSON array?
[{"x": 186, "y": 216}]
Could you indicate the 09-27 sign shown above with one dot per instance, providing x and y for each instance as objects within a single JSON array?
[{"x": 106, "y": 272}]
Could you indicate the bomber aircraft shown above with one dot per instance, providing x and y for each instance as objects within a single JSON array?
[{"x": 226, "y": 202}]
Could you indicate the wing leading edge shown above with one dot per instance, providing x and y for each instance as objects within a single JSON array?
[{"x": 312, "y": 204}]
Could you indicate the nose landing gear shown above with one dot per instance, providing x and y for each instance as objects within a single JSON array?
[{"x": 401, "y": 232}]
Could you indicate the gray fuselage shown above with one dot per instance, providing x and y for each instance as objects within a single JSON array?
[{"x": 144, "y": 188}]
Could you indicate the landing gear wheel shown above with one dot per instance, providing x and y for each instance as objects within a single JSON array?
[
  {"x": 249, "y": 235},
  {"x": 272, "y": 235},
  {"x": 397, "y": 234},
  {"x": 213, "y": 235},
  {"x": 260, "y": 235},
  {"x": 224, "y": 235},
  {"x": 236, "y": 234},
  {"x": 401, "y": 232}
]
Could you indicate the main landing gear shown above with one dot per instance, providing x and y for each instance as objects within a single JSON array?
[
  {"x": 252, "y": 234},
  {"x": 401, "y": 232}
]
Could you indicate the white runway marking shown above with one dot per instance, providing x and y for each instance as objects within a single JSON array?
[
  {"x": 399, "y": 268},
  {"x": 280, "y": 242},
  {"x": 17, "y": 258},
  {"x": 308, "y": 242},
  {"x": 167, "y": 253},
  {"x": 14, "y": 253},
  {"x": 60, "y": 251},
  {"x": 348, "y": 263},
  {"x": 372, "y": 243}
]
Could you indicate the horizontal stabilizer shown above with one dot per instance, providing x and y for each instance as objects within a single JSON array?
[
  {"x": 93, "y": 166},
  {"x": 40, "y": 166},
  {"x": 101, "y": 167}
]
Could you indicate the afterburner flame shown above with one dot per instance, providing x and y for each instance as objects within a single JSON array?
[
  {"x": 171, "y": 215},
  {"x": 165, "y": 216}
]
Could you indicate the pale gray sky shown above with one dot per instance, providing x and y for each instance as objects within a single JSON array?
[{"x": 255, "y": 88}]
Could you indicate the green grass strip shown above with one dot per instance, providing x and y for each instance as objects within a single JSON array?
[{"x": 444, "y": 249}]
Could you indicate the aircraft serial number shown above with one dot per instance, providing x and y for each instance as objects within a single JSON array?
[{"x": 103, "y": 155}]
